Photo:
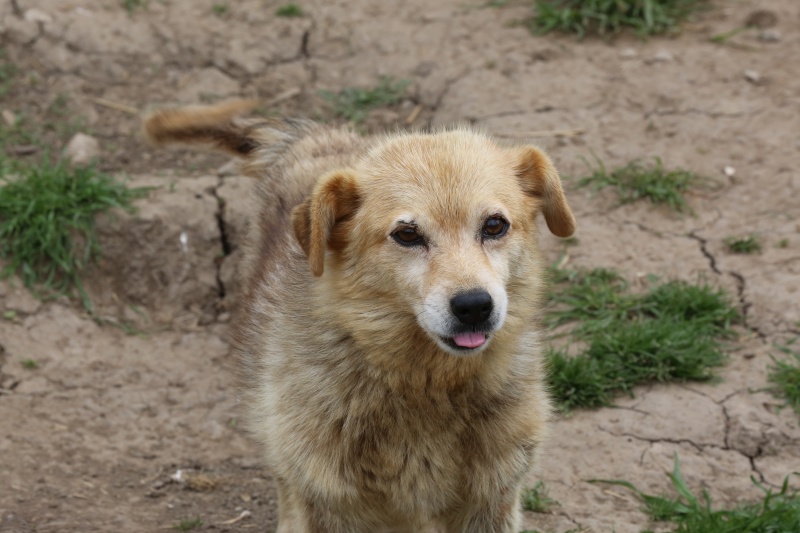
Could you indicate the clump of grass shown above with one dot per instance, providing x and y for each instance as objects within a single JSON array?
[
  {"x": 671, "y": 333},
  {"x": 289, "y": 11},
  {"x": 536, "y": 499},
  {"x": 47, "y": 232},
  {"x": 30, "y": 364},
  {"x": 354, "y": 103},
  {"x": 220, "y": 9},
  {"x": 637, "y": 181},
  {"x": 743, "y": 245},
  {"x": 188, "y": 524},
  {"x": 785, "y": 376},
  {"x": 132, "y": 5},
  {"x": 777, "y": 512},
  {"x": 603, "y": 17},
  {"x": 7, "y": 73}
]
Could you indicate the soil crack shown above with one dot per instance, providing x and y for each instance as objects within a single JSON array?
[
  {"x": 225, "y": 244},
  {"x": 712, "y": 261}
]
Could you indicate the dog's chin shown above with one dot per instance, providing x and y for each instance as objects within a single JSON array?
[{"x": 449, "y": 345}]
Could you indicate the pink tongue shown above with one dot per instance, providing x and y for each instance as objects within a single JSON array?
[{"x": 469, "y": 340}]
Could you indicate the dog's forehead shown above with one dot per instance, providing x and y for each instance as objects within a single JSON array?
[{"x": 454, "y": 169}]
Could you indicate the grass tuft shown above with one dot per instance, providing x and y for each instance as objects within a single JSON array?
[
  {"x": 188, "y": 524},
  {"x": 7, "y": 73},
  {"x": 47, "y": 232},
  {"x": 743, "y": 245},
  {"x": 670, "y": 333},
  {"x": 536, "y": 499},
  {"x": 604, "y": 17},
  {"x": 777, "y": 512},
  {"x": 353, "y": 103},
  {"x": 132, "y": 5},
  {"x": 289, "y": 11},
  {"x": 220, "y": 9},
  {"x": 635, "y": 181},
  {"x": 30, "y": 364},
  {"x": 785, "y": 375}
]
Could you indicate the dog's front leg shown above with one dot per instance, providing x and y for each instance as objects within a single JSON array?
[{"x": 498, "y": 516}]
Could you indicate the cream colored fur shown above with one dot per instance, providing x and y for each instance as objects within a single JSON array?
[{"x": 368, "y": 419}]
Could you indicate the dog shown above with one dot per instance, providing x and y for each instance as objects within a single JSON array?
[{"x": 387, "y": 339}]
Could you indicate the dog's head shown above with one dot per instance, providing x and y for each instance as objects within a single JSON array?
[{"x": 441, "y": 227}]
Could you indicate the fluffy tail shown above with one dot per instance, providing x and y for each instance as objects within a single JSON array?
[
  {"x": 260, "y": 140},
  {"x": 215, "y": 126}
]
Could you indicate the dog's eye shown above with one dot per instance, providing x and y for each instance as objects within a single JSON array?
[
  {"x": 408, "y": 236},
  {"x": 495, "y": 227}
]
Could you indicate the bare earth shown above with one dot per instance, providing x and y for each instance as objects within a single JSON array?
[{"x": 91, "y": 439}]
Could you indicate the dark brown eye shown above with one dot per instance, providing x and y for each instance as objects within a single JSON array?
[
  {"x": 495, "y": 227},
  {"x": 408, "y": 236}
]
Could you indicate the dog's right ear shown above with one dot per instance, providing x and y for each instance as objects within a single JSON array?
[
  {"x": 335, "y": 199},
  {"x": 539, "y": 178}
]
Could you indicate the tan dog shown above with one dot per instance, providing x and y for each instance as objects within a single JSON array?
[{"x": 397, "y": 383}]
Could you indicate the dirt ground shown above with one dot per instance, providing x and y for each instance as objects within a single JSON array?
[{"x": 136, "y": 432}]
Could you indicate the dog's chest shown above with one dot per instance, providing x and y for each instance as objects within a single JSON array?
[{"x": 418, "y": 456}]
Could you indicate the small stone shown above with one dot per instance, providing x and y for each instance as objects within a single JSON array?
[
  {"x": 9, "y": 118},
  {"x": 729, "y": 171},
  {"x": 663, "y": 56},
  {"x": 752, "y": 76},
  {"x": 37, "y": 15},
  {"x": 82, "y": 149},
  {"x": 771, "y": 35},
  {"x": 627, "y": 53}
]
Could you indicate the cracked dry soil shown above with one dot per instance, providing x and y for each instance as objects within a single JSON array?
[{"x": 90, "y": 440}]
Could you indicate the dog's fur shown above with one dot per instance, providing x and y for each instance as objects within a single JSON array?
[{"x": 370, "y": 418}]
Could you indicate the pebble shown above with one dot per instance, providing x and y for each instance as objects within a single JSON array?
[
  {"x": 752, "y": 76},
  {"x": 37, "y": 15},
  {"x": 627, "y": 53},
  {"x": 663, "y": 56},
  {"x": 9, "y": 118},
  {"x": 729, "y": 171},
  {"x": 82, "y": 149},
  {"x": 771, "y": 35}
]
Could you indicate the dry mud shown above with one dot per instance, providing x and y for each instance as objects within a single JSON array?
[{"x": 94, "y": 438}]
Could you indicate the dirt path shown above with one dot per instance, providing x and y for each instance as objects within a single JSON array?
[{"x": 93, "y": 438}]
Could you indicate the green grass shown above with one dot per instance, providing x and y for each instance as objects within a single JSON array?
[
  {"x": 7, "y": 73},
  {"x": 783, "y": 243},
  {"x": 784, "y": 374},
  {"x": 132, "y": 5},
  {"x": 743, "y": 245},
  {"x": 777, "y": 512},
  {"x": 673, "y": 332},
  {"x": 30, "y": 364},
  {"x": 47, "y": 233},
  {"x": 289, "y": 11},
  {"x": 353, "y": 103},
  {"x": 536, "y": 499},
  {"x": 188, "y": 524},
  {"x": 604, "y": 17},
  {"x": 220, "y": 9},
  {"x": 637, "y": 181}
]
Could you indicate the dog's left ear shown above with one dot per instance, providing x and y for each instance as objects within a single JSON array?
[
  {"x": 334, "y": 199},
  {"x": 539, "y": 179}
]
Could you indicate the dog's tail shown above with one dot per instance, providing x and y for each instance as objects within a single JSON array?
[{"x": 220, "y": 126}]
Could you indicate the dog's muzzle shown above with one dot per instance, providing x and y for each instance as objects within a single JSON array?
[{"x": 473, "y": 310}]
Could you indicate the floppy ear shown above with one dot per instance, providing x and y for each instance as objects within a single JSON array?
[
  {"x": 539, "y": 179},
  {"x": 334, "y": 199}
]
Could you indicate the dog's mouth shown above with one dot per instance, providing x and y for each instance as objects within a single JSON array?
[{"x": 466, "y": 341}]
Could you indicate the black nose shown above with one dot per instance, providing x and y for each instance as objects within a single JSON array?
[{"x": 472, "y": 307}]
